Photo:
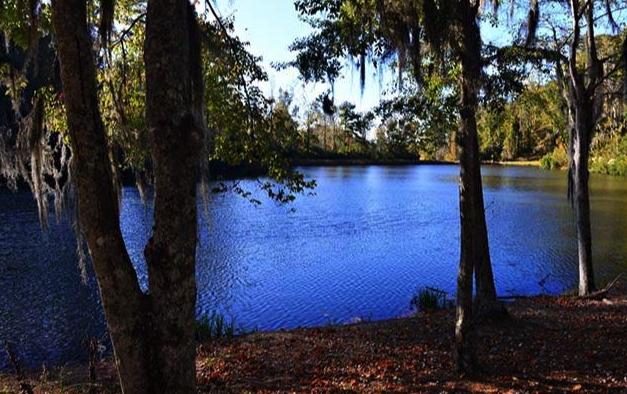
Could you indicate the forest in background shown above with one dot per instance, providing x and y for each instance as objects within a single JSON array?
[{"x": 525, "y": 118}]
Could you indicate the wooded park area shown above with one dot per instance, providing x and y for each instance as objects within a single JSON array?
[{"x": 163, "y": 95}]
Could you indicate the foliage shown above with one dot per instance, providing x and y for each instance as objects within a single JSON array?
[
  {"x": 364, "y": 31},
  {"x": 341, "y": 29},
  {"x": 529, "y": 126},
  {"x": 23, "y": 22},
  {"x": 422, "y": 118},
  {"x": 122, "y": 100},
  {"x": 247, "y": 128},
  {"x": 355, "y": 126}
]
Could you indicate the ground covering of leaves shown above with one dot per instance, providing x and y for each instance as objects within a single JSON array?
[{"x": 550, "y": 345}]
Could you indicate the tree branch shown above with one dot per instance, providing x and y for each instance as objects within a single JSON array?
[
  {"x": 243, "y": 83},
  {"x": 140, "y": 18}
]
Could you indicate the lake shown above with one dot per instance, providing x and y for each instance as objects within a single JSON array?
[{"x": 357, "y": 250}]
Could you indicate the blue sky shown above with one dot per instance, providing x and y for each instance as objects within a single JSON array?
[{"x": 272, "y": 25}]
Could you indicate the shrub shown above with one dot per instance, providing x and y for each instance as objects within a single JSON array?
[
  {"x": 613, "y": 166},
  {"x": 557, "y": 159},
  {"x": 214, "y": 327},
  {"x": 546, "y": 161},
  {"x": 609, "y": 156},
  {"x": 428, "y": 299}
]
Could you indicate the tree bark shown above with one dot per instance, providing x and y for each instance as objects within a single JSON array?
[
  {"x": 121, "y": 296},
  {"x": 584, "y": 102},
  {"x": 471, "y": 163},
  {"x": 475, "y": 252},
  {"x": 581, "y": 198},
  {"x": 152, "y": 335},
  {"x": 174, "y": 116},
  {"x": 468, "y": 199}
]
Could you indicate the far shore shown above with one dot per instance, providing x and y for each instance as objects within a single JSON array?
[
  {"x": 364, "y": 162},
  {"x": 400, "y": 162},
  {"x": 521, "y": 163}
]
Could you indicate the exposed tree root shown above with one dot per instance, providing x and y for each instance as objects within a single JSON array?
[{"x": 600, "y": 294}]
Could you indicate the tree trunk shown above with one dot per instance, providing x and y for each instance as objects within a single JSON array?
[
  {"x": 471, "y": 163},
  {"x": 581, "y": 197},
  {"x": 469, "y": 173},
  {"x": 475, "y": 253},
  {"x": 174, "y": 115},
  {"x": 585, "y": 104},
  {"x": 308, "y": 139},
  {"x": 121, "y": 296},
  {"x": 152, "y": 335}
]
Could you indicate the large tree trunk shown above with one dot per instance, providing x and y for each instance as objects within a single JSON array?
[
  {"x": 475, "y": 253},
  {"x": 152, "y": 335},
  {"x": 121, "y": 296},
  {"x": 174, "y": 115}
]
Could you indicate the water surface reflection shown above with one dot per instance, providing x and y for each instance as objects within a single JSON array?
[{"x": 359, "y": 248}]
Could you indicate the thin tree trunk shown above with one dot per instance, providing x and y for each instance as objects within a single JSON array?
[
  {"x": 584, "y": 100},
  {"x": 464, "y": 345},
  {"x": 174, "y": 115},
  {"x": 121, "y": 296},
  {"x": 471, "y": 71},
  {"x": 581, "y": 200},
  {"x": 308, "y": 139}
]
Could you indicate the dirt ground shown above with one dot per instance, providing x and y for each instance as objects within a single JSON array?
[{"x": 549, "y": 345}]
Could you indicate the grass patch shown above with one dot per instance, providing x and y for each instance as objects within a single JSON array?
[
  {"x": 213, "y": 327},
  {"x": 428, "y": 299}
]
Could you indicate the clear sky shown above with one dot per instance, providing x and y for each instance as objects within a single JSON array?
[{"x": 272, "y": 25}]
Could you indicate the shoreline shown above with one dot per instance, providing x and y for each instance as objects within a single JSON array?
[
  {"x": 515, "y": 163},
  {"x": 538, "y": 349}
]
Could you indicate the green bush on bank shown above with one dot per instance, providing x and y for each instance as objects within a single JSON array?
[
  {"x": 555, "y": 160},
  {"x": 607, "y": 166},
  {"x": 609, "y": 156}
]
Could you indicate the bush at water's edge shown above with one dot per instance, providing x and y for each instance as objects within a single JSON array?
[
  {"x": 555, "y": 160},
  {"x": 608, "y": 156}
]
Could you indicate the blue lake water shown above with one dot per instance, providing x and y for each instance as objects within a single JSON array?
[{"x": 358, "y": 249}]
